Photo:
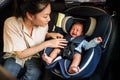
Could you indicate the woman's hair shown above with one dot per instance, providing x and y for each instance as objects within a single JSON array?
[{"x": 31, "y": 6}]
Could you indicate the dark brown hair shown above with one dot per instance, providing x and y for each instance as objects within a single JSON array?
[{"x": 31, "y": 6}]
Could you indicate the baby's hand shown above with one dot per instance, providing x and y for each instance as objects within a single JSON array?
[{"x": 98, "y": 39}]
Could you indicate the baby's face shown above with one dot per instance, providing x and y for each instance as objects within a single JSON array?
[{"x": 76, "y": 30}]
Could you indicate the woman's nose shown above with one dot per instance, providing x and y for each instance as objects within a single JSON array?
[{"x": 49, "y": 19}]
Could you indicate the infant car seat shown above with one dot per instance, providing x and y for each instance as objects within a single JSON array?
[{"x": 97, "y": 23}]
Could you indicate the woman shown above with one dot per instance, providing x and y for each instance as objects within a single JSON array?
[{"x": 24, "y": 36}]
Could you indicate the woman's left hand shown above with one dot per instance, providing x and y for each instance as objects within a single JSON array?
[{"x": 54, "y": 35}]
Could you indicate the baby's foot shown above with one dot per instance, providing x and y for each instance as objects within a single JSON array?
[
  {"x": 46, "y": 58},
  {"x": 73, "y": 69}
]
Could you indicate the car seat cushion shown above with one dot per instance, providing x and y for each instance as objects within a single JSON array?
[
  {"x": 87, "y": 65},
  {"x": 65, "y": 22}
]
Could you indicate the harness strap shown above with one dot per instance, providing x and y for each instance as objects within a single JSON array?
[{"x": 69, "y": 50}]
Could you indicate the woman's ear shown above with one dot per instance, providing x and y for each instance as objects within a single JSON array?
[{"x": 29, "y": 16}]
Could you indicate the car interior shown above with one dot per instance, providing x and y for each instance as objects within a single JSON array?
[{"x": 104, "y": 64}]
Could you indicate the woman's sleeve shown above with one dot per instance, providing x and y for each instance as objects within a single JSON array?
[{"x": 13, "y": 40}]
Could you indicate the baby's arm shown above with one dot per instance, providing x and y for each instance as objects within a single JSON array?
[{"x": 94, "y": 42}]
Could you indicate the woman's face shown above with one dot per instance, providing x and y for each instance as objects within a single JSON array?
[
  {"x": 42, "y": 18},
  {"x": 76, "y": 30}
]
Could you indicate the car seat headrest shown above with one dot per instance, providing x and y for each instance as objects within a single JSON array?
[{"x": 65, "y": 22}]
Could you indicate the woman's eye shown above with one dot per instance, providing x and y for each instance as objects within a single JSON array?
[{"x": 45, "y": 16}]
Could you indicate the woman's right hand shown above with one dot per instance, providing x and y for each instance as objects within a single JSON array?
[{"x": 56, "y": 43}]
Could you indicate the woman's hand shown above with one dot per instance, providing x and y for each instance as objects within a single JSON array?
[
  {"x": 56, "y": 43},
  {"x": 54, "y": 35}
]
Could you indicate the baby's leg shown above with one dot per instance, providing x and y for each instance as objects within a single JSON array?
[
  {"x": 46, "y": 58},
  {"x": 74, "y": 67},
  {"x": 53, "y": 55}
]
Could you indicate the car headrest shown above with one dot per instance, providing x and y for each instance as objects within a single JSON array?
[{"x": 65, "y": 22}]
